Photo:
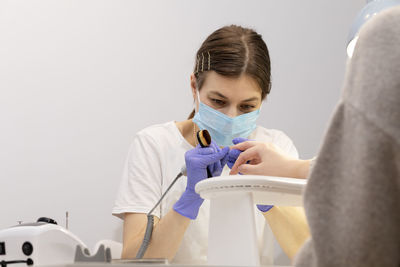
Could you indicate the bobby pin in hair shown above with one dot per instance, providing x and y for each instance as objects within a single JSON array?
[
  {"x": 197, "y": 69},
  {"x": 202, "y": 63}
]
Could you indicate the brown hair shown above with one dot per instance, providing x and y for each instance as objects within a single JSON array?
[{"x": 232, "y": 51}]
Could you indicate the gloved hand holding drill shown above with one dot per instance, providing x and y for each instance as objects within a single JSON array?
[{"x": 197, "y": 160}]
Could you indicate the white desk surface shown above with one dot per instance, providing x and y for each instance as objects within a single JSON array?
[
  {"x": 268, "y": 190},
  {"x": 94, "y": 264}
]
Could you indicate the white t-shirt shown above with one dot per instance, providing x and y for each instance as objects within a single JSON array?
[{"x": 155, "y": 157}]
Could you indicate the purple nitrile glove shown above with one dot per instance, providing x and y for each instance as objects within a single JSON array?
[
  {"x": 197, "y": 160},
  {"x": 217, "y": 167},
  {"x": 234, "y": 153},
  {"x": 232, "y": 157},
  {"x": 264, "y": 208}
]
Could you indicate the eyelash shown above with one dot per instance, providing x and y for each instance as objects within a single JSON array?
[
  {"x": 247, "y": 107},
  {"x": 218, "y": 102},
  {"x": 221, "y": 103}
]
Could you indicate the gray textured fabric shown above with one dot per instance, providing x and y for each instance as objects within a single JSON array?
[{"x": 352, "y": 199}]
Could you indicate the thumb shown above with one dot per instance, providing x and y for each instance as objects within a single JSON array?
[
  {"x": 250, "y": 169},
  {"x": 238, "y": 140},
  {"x": 213, "y": 157},
  {"x": 220, "y": 154},
  {"x": 214, "y": 146},
  {"x": 234, "y": 154}
]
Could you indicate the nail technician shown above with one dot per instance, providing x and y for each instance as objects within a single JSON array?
[{"x": 231, "y": 78}]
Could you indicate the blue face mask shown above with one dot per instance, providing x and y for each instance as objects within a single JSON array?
[{"x": 223, "y": 128}]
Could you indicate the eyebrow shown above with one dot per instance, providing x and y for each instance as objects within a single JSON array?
[
  {"x": 250, "y": 99},
  {"x": 218, "y": 94},
  {"x": 224, "y": 97}
]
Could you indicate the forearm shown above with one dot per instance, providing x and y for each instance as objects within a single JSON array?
[
  {"x": 165, "y": 240},
  {"x": 289, "y": 226}
]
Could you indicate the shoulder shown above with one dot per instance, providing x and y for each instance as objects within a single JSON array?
[
  {"x": 153, "y": 141},
  {"x": 372, "y": 81},
  {"x": 158, "y": 133}
]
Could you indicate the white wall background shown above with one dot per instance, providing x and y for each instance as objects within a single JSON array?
[{"x": 79, "y": 78}]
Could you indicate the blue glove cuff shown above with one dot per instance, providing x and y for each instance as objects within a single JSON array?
[
  {"x": 188, "y": 204},
  {"x": 264, "y": 208}
]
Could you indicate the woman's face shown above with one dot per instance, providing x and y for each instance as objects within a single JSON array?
[{"x": 231, "y": 96}]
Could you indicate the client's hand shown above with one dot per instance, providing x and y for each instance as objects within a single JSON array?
[
  {"x": 197, "y": 160},
  {"x": 233, "y": 156},
  {"x": 267, "y": 159}
]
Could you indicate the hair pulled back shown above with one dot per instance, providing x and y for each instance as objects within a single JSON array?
[{"x": 232, "y": 51}]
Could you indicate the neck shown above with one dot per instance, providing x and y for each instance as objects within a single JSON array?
[{"x": 188, "y": 129}]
